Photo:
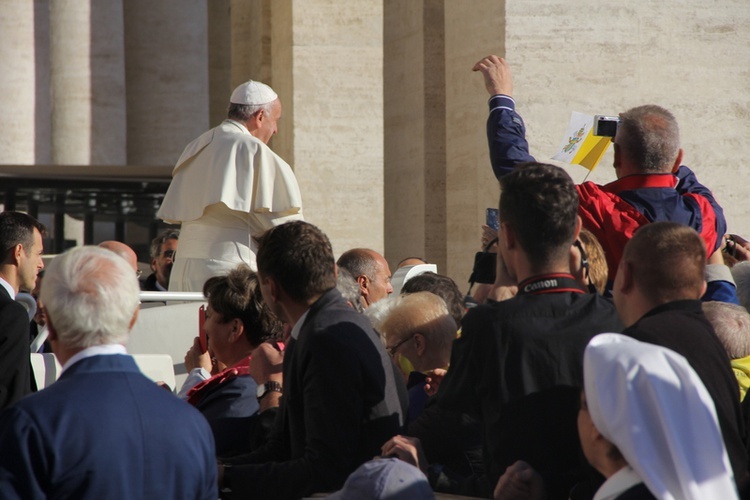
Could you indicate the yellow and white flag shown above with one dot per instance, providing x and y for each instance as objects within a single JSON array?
[{"x": 580, "y": 145}]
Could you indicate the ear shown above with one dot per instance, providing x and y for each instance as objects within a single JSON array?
[
  {"x": 420, "y": 344},
  {"x": 17, "y": 251},
  {"x": 677, "y": 162},
  {"x": 627, "y": 282},
  {"x": 703, "y": 289},
  {"x": 579, "y": 224},
  {"x": 153, "y": 265},
  {"x": 238, "y": 330},
  {"x": 508, "y": 240},
  {"x": 363, "y": 282},
  {"x": 617, "y": 163},
  {"x": 133, "y": 319}
]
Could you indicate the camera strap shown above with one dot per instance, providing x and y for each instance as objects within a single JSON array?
[{"x": 550, "y": 283}]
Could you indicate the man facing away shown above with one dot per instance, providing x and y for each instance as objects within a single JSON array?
[
  {"x": 517, "y": 367},
  {"x": 371, "y": 272},
  {"x": 651, "y": 184},
  {"x": 21, "y": 242},
  {"x": 103, "y": 430},
  {"x": 228, "y": 187},
  {"x": 341, "y": 394},
  {"x": 657, "y": 290}
]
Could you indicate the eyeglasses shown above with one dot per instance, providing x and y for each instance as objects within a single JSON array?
[
  {"x": 392, "y": 349},
  {"x": 138, "y": 273},
  {"x": 168, "y": 254}
]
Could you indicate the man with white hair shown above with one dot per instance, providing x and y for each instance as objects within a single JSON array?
[
  {"x": 228, "y": 187},
  {"x": 103, "y": 430}
]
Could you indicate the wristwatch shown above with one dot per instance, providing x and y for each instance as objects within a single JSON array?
[{"x": 270, "y": 386}]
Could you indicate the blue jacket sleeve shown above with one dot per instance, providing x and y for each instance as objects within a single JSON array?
[
  {"x": 688, "y": 183},
  {"x": 506, "y": 135}
]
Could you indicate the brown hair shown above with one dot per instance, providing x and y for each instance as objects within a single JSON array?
[
  {"x": 237, "y": 295},
  {"x": 668, "y": 262},
  {"x": 299, "y": 257}
]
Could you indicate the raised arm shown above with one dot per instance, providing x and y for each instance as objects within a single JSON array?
[
  {"x": 688, "y": 184},
  {"x": 506, "y": 133}
]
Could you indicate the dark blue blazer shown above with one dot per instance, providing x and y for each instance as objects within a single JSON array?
[{"x": 104, "y": 430}]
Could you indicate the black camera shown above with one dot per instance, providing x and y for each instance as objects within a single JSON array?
[{"x": 606, "y": 126}]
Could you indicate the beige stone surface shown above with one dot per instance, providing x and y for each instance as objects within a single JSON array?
[
  {"x": 167, "y": 78},
  {"x": 17, "y": 83},
  {"x": 88, "y": 82},
  {"x": 338, "y": 118},
  {"x": 692, "y": 57}
]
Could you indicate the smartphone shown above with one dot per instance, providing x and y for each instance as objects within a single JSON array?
[
  {"x": 201, "y": 332},
  {"x": 492, "y": 218}
]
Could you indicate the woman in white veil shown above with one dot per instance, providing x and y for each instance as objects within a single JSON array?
[{"x": 649, "y": 425}]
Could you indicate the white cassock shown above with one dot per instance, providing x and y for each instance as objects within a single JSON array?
[{"x": 227, "y": 187}]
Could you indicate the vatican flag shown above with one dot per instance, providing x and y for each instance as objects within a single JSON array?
[{"x": 580, "y": 145}]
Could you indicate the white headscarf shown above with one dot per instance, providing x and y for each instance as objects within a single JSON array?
[{"x": 649, "y": 402}]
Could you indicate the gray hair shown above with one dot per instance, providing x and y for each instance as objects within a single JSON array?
[
  {"x": 421, "y": 312},
  {"x": 359, "y": 261},
  {"x": 732, "y": 325},
  {"x": 90, "y": 295},
  {"x": 244, "y": 112},
  {"x": 741, "y": 275},
  {"x": 156, "y": 243},
  {"x": 650, "y": 137},
  {"x": 349, "y": 289}
]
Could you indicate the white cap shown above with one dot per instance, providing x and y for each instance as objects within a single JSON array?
[{"x": 253, "y": 93}]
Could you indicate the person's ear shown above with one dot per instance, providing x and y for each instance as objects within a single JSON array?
[
  {"x": 364, "y": 282},
  {"x": 17, "y": 251},
  {"x": 508, "y": 240},
  {"x": 238, "y": 330},
  {"x": 617, "y": 163},
  {"x": 677, "y": 161},
  {"x": 132, "y": 320},
  {"x": 627, "y": 282},
  {"x": 420, "y": 344},
  {"x": 153, "y": 265}
]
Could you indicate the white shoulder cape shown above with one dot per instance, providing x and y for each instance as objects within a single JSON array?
[{"x": 228, "y": 165}]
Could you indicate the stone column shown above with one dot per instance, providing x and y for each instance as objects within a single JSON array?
[
  {"x": 438, "y": 179},
  {"x": 88, "y": 82},
  {"x": 167, "y": 78},
  {"x": 18, "y": 83}
]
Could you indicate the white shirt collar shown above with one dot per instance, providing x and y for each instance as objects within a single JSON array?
[
  {"x": 159, "y": 287},
  {"x": 8, "y": 288},
  {"x": 298, "y": 325},
  {"x": 97, "y": 350},
  {"x": 617, "y": 483}
]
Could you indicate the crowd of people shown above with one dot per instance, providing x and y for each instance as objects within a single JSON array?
[{"x": 605, "y": 352}]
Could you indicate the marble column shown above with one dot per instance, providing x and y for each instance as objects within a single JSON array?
[
  {"x": 166, "y": 48},
  {"x": 88, "y": 82}
]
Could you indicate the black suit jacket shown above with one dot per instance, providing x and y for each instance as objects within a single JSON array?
[
  {"x": 340, "y": 404},
  {"x": 15, "y": 367}
]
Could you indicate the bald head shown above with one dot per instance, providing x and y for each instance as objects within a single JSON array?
[
  {"x": 370, "y": 270},
  {"x": 122, "y": 250}
]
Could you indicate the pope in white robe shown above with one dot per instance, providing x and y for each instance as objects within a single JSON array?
[{"x": 227, "y": 188}]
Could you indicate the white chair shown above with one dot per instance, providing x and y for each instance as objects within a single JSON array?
[
  {"x": 157, "y": 367},
  {"x": 45, "y": 368},
  {"x": 166, "y": 330}
]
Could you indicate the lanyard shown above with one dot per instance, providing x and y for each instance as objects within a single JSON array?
[{"x": 550, "y": 283}]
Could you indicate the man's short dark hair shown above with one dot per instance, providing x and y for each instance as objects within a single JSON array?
[
  {"x": 156, "y": 243},
  {"x": 18, "y": 227},
  {"x": 359, "y": 261},
  {"x": 668, "y": 262},
  {"x": 299, "y": 257},
  {"x": 443, "y": 287},
  {"x": 540, "y": 203},
  {"x": 650, "y": 138}
]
